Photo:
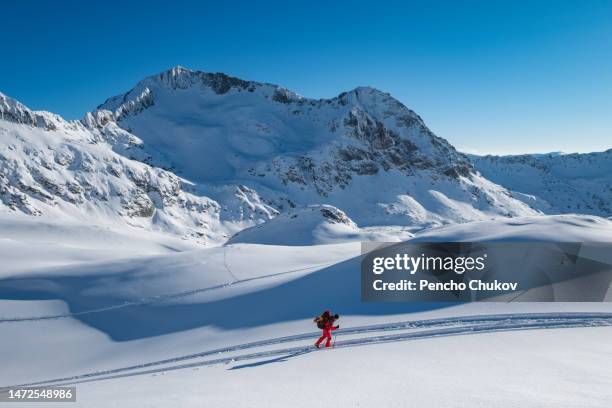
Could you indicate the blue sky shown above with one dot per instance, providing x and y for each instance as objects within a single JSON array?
[{"x": 491, "y": 77}]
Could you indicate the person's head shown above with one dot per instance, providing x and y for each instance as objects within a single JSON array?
[
  {"x": 326, "y": 313},
  {"x": 336, "y": 316}
]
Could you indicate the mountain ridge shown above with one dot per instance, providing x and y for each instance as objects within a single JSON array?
[{"x": 205, "y": 155}]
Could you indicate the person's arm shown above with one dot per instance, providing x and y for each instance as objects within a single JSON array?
[{"x": 335, "y": 327}]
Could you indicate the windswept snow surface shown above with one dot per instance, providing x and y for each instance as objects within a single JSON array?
[{"x": 190, "y": 328}]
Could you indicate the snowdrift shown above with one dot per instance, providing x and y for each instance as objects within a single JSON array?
[
  {"x": 315, "y": 225},
  {"x": 549, "y": 228}
]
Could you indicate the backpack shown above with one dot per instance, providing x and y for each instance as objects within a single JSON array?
[{"x": 320, "y": 321}]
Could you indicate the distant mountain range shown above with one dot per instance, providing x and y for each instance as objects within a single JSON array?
[
  {"x": 555, "y": 183},
  {"x": 203, "y": 155}
]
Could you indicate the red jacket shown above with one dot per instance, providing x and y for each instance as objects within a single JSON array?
[{"x": 329, "y": 325}]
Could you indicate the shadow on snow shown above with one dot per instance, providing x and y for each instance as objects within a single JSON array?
[{"x": 337, "y": 287}]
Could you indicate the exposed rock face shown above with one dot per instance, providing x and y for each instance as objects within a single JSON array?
[
  {"x": 336, "y": 216},
  {"x": 367, "y": 146},
  {"x": 13, "y": 111}
]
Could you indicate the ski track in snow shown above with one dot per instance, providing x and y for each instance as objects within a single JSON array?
[{"x": 451, "y": 326}]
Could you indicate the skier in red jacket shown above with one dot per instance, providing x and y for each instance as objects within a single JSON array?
[{"x": 326, "y": 323}]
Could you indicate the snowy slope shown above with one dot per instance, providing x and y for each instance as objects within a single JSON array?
[
  {"x": 555, "y": 183},
  {"x": 82, "y": 173},
  {"x": 188, "y": 328},
  {"x": 314, "y": 225},
  {"x": 307, "y": 226},
  {"x": 549, "y": 228},
  {"x": 455, "y": 371},
  {"x": 61, "y": 242}
]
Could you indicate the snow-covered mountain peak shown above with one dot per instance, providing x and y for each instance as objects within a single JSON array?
[
  {"x": 143, "y": 94},
  {"x": 178, "y": 78},
  {"x": 368, "y": 96},
  {"x": 276, "y": 120},
  {"x": 221, "y": 130}
]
